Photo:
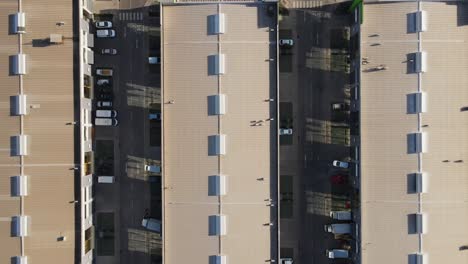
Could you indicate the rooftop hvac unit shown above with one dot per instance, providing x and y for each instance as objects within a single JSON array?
[
  {"x": 20, "y": 260},
  {"x": 20, "y": 145},
  {"x": 217, "y": 104},
  {"x": 217, "y": 145},
  {"x": 216, "y": 64},
  {"x": 417, "y": 21},
  {"x": 19, "y": 185},
  {"x": 217, "y": 225},
  {"x": 19, "y": 23},
  {"x": 217, "y": 259},
  {"x": 20, "y": 226},
  {"x": 19, "y": 64},
  {"x": 420, "y": 62},
  {"x": 19, "y": 105},
  {"x": 417, "y": 143},
  {"x": 416, "y": 103},
  {"x": 216, "y": 185},
  {"x": 417, "y": 259},
  {"x": 217, "y": 23}
]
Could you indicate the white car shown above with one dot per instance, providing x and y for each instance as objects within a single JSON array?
[
  {"x": 285, "y": 131},
  {"x": 105, "y": 33},
  {"x": 103, "y": 82},
  {"x": 340, "y": 164},
  {"x": 108, "y": 51},
  {"x": 103, "y": 24},
  {"x": 286, "y": 42}
]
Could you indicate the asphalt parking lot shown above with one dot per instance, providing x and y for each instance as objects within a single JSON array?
[
  {"x": 314, "y": 74},
  {"x": 135, "y": 86}
]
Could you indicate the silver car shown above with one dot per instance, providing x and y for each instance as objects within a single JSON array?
[{"x": 103, "y": 24}]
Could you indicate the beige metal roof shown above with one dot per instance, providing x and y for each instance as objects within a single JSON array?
[
  {"x": 48, "y": 85},
  {"x": 385, "y": 163},
  {"x": 250, "y": 150}
]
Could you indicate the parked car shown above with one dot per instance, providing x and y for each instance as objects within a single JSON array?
[
  {"x": 106, "y": 113},
  {"x": 103, "y": 24},
  {"x": 106, "y": 122},
  {"x": 101, "y": 82},
  {"x": 286, "y": 261},
  {"x": 285, "y": 131},
  {"x": 286, "y": 42},
  {"x": 154, "y": 60},
  {"x": 105, "y": 33},
  {"x": 340, "y": 106},
  {"x": 341, "y": 215},
  {"x": 109, "y": 51},
  {"x": 340, "y": 164},
  {"x": 153, "y": 168},
  {"x": 337, "y": 253},
  {"x": 104, "y": 72},
  {"x": 151, "y": 224},
  {"x": 156, "y": 116},
  {"x": 104, "y": 104}
]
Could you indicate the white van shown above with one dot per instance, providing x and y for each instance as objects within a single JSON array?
[
  {"x": 341, "y": 215},
  {"x": 106, "y": 113},
  {"x": 105, "y": 33},
  {"x": 105, "y": 179},
  {"x": 106, "y": 122},
  {"x": 152, "y": 224}
]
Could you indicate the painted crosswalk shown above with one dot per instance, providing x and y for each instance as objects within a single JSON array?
[{"x": 131, "y": 16}]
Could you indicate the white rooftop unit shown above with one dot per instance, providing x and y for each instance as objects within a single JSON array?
[
  {"x": 20, "y": 105},
  {"x": 417, "y": 143},
  {"x": 20, "y": 145},
  {"x": 416, "y": 103},
  {"x": 20, "y": 226},
  {"x": 417, "y": 21},
  {"x": 217, "y": 225},
  {"x": 19, "y": 23},
  {"x": 19, "y": 64},
  {"x": 20, "y": 260},
  {"x": 216, "y": 64},
  {"x": 217, "y": 259},
  {"x": 417, "y": 259},
  {"x": 420, "y": 61},
  {"x": 217, "y": 23},
  {"x": 217, "y": 104},
  {"x": 216, "y": 185},
  {"x": 19, "y": 185},
  {"x": 217, "y": 145}
]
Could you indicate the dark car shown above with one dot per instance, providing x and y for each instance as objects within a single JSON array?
[{"x": 105, "y": 96}]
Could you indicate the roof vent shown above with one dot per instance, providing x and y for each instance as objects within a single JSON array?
[
  {"x": 417, "y": 22},
  {"x": 217, "y": 104},
  {"x": 217, "y": 259},
  {"x": 217, "y": 23},
  {"x": 20, "y": 226},
  {"x": 19, "y": 64},
  {"x": 20, "y": 260},
  {"x": 417, "y": 223},
  {"x": 217, "y": 145},
  {"x": 417, "y": 258},
  {"x": 420, "y": 62},
  {"x": 216, "y": 64},
  {"x": 417, "y": 143},
  {"x": 216, "y": 185},
  {"x": 19, "y": 185},
  {"x": 19, "y": 23},
  {"x": 19, "y": 105},
  {"x": 416, "y": 103},
  {"x": 217, "y": 225},
  {"x": 19, "y": 145}
]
